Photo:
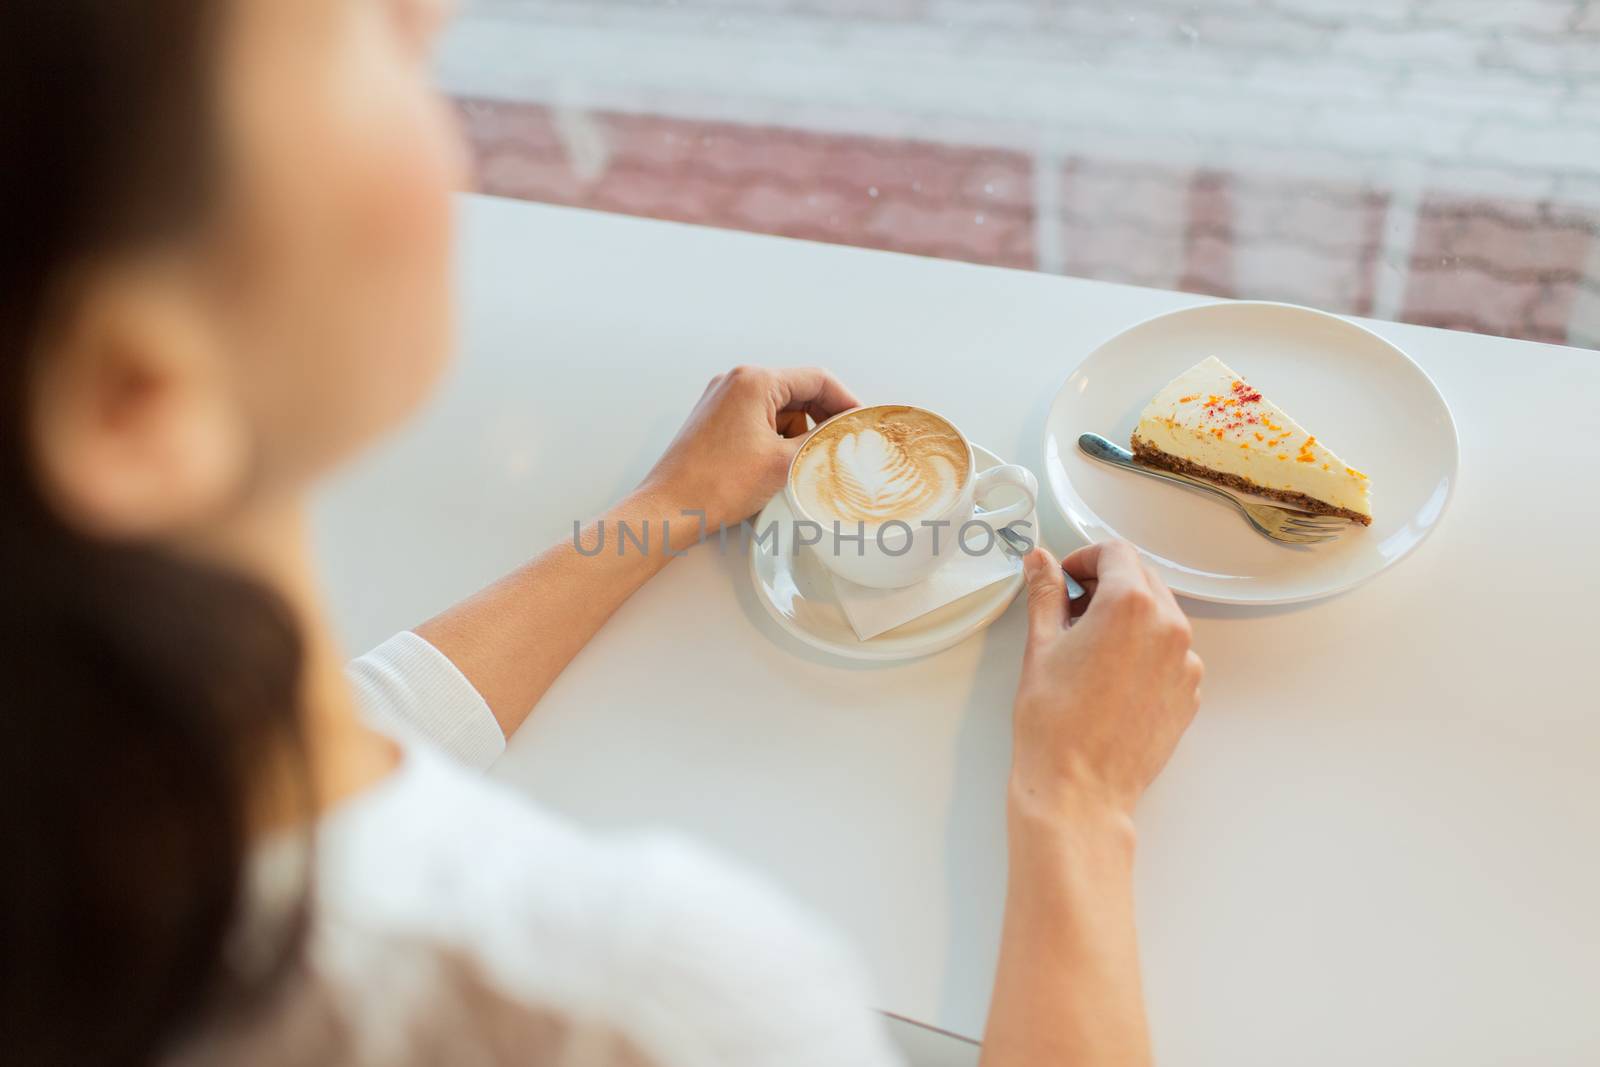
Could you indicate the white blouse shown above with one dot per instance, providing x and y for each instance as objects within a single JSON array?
[{"x": 454, "y": 922}]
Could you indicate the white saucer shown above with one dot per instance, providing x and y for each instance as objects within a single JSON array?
[
  {"x": 798, "y": 592},
  {"x": 1358, "y": 392}
]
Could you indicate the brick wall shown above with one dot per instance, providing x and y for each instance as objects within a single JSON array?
[
  {"x": 1511, "y": 268},
  {"x": 1436, "y": 161},
  {"x": 937, "y": 200}
]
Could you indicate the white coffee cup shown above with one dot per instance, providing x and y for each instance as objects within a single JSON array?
[{"x": 901, "y": 552}]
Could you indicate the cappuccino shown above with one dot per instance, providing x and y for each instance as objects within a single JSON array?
[{"x": 879, "y": 464}]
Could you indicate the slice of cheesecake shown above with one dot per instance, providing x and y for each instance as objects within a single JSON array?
[{"x": 1210, "y": 423}]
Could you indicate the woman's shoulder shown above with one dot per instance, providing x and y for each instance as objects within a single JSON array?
[{"x": 678, "y": 948}]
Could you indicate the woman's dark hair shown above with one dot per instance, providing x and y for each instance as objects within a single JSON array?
[{"x": 141, "y": 693}]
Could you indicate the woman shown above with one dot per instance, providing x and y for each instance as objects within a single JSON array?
[{"x": 223, "y": 269}]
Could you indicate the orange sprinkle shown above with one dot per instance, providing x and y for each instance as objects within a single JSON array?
[
  {"x": 1260, "y": 438},
  {"x": 1217, "y": 434},
  {"x": 1187, "y": 399},
  {"x": 1305, "y": 457},
  {"x": 1356, "y": 473},
  {"x": 1244, "y": 446},
  {"x": 1283, "y": 455},
  {"x": 1324, "y": 466}
]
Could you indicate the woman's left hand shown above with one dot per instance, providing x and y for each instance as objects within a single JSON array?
[{"x": 733, "y": 453}]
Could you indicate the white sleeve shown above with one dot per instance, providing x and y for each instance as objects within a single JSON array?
[
  {"x": 729, "y": 973},
  {"x": 406, "y": 686}
]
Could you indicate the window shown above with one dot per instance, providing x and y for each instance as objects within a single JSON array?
[{"x": 1432, "y": 161}]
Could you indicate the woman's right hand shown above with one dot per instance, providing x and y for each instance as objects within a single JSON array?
[
  {"x": 1099, "y": 710},
  {"x": 1101, "y": 705}
]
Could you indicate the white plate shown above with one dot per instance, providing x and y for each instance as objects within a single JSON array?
[
  {"x": 1362, "y": 396},
  {"x": 798, "y": 592}
]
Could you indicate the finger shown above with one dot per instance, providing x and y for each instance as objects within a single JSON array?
[
  {"x": 1047, "y": 593},
  {"x": 1112, "y": 565},
  {"x": 1195, "y": 669},
  {"x": 788, "y": 447},
  {"x": 814, "y": 390},
  {"x": 1164, "y": 595},
  {"x": 1119, "y": 576},
  {"x": 820, "y": 414}
]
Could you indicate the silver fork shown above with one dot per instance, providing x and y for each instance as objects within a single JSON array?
[{"x": 1280, "y": 524}]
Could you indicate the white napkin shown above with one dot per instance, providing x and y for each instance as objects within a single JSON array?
[{"x": 874, "y": 611}]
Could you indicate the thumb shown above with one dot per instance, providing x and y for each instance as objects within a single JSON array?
[
  {"x": 1047, "y": 593},
  {"x": 792, "y": 438},
  {"x": 782, "y": 457}
]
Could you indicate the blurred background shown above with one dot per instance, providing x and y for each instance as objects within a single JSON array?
[{"x": 1431, "y": 161}]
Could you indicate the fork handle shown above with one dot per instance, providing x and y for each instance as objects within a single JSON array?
[{"x": 1109, "y": 452}]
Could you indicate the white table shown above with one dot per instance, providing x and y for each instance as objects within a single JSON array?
[{"x": 1379, "y": 844}]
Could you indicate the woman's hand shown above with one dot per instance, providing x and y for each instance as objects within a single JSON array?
[
  {"x": 1099, "y": 709},
  {"x": 1102, "y": 705},
  {"x": 733, "y": 453},
  {"x": 513, "y": 639}
]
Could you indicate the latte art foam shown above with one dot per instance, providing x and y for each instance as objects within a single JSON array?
[{"x": 881, "y": 463}]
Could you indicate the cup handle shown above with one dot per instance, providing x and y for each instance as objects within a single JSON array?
[{"x": 1007, "y": 474}]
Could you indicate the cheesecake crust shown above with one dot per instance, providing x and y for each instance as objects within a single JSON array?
[{"x": 1146, "y": 452}]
